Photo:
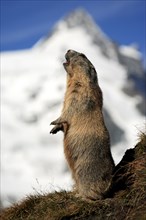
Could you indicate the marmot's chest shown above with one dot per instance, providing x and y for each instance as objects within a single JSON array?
[{"x": 80, "y": 103}]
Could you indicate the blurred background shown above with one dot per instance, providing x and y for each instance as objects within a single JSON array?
[{"x": 35, "y": 36}]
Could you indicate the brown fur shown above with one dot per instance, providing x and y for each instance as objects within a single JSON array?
[{"x": 86, "y": 138}]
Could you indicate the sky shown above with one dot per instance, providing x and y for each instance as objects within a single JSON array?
[{"x": 23, "y": 23}]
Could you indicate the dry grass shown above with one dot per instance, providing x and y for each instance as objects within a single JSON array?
[{"x": 127, "y": 202}]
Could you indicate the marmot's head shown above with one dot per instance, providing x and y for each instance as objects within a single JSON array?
[{"x": 78, "y": 65}]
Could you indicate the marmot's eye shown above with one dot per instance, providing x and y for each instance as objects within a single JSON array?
[{"x": 82, "y": 55}]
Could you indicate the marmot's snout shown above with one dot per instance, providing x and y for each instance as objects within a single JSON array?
[
  {"x": 68, "y": 56},
  {"x": 73, "y": 54}
]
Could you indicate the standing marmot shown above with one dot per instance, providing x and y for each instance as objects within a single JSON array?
[{"x": 86, "y": 138}]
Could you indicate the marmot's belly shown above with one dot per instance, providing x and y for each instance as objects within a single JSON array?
[{"x": 83, "y": 147}]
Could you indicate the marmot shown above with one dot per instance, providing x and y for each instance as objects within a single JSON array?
[{"x": 86, "y": 138}]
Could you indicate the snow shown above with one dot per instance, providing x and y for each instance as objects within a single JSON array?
[
  {"x": 33, "y": 85},
  {"x": 130, "y": 51}
]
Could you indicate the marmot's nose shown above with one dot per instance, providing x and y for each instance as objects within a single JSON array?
[{"x": 71, "y": 51}]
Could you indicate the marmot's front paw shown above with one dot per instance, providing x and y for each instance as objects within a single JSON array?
[
  {"x": 56, "y": 122},
  {"x": 56, "y": 128}
]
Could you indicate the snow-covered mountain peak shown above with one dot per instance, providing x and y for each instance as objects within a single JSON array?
[
  {"x": 78, "y": 17},
  {"x": 81, "y": 18},
  {"x": 80, "y": 21}
]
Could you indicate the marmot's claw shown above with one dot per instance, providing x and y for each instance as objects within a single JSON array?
[
  {"x": 56, "y": 129},
  {"x": 57, "y": 121},
  {"x": 53, "y": 123},
  {"x": 53, "y": 131}
]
